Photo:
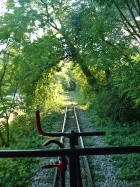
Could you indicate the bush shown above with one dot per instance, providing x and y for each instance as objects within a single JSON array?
[{"x": 122, "y": 134}]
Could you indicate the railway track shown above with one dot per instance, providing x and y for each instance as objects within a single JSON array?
[
  {"x": 103, "y": 168},
  {"x": 78, "y": 172},
  {"x": 71, "y": 123}
]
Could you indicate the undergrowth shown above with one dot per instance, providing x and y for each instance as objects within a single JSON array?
[
  {"x": 122, "y": 126},
  {"x": 125, "y": 134},
  {"x": 17, "y": 172}
]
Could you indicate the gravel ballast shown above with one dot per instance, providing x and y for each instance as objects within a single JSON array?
[{"x": 103, "y": 170}]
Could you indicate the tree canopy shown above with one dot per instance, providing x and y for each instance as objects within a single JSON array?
[
  {"x": 100, "y": 38},
  {"x": 48, "y": 47}
]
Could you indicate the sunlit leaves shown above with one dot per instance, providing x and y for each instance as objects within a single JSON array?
[{"x": 90, "y": 33}]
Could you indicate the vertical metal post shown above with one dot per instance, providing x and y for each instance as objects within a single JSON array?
[
  {"x": 63, "y": 179},
  {"x": 73, "y": 176},
  {"x": 74, "y": 164}
]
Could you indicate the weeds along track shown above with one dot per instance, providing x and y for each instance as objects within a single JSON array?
[
  {"x": 70, "y": 124},
  {"x": 52, "y": 177},
  {"x": 71, "y": 147},
  {"x": 70, "y": 141}
]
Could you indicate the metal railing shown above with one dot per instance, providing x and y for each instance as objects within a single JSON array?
[{"x": 71, "y": 153}]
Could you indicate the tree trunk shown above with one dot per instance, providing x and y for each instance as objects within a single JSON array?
[
  {"x": 90, "y": 78},
  {"x": 2, "y": 139}
]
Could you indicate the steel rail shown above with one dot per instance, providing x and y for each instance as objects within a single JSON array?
[
  {"x": 57, "y": 134},
  {"x": 89, "y": 176},
  {"x": 64, "y": 121},
  {"x": 69, "y": 152},
  {"x": 85, "y": 160},
  {"x": 56, "y": 173},
  {"x": 69, "y": 134}
]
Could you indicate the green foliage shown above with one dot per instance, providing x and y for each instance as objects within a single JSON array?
[
  {"x": 128, "y": 80},
  {"x": 88, "y": 142},
  {"x": 118, "y": 108},
  {"x": 129, "y": 167},
  {"x": 18, "y": 171},
  {"x": 80, "y": 96},
  {"x": 121, "y": 134},
  {"x": 15, "y": 172},
  {"x": 9, "y": 110},
  {"x": 91, "y": 35},
  {"x": 100, "y": 38},
  {"x": 65, "y": 76}
]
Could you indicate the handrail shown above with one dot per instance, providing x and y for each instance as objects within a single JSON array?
[
  {"x": 38, "y": 125},
  {"x": 67, "y": 134},
  {"x": 69, "y": 152}
]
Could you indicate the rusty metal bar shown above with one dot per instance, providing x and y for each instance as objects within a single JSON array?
[{"x": 67, "y": 134}]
